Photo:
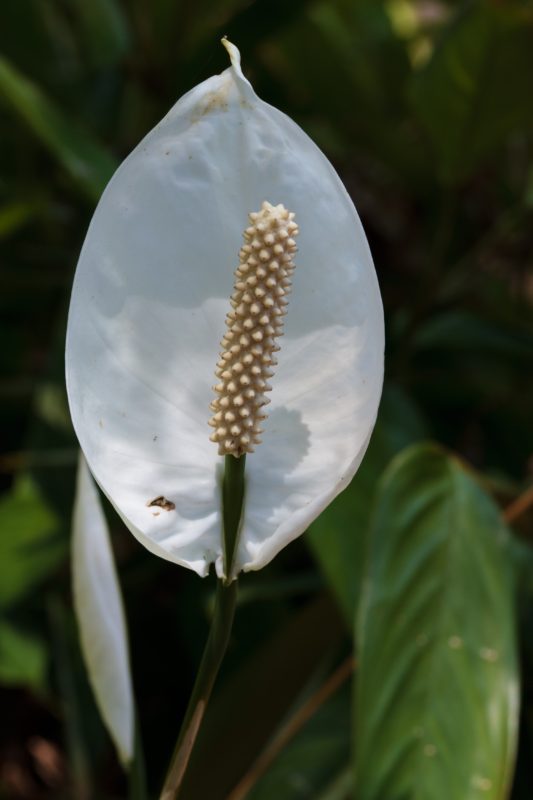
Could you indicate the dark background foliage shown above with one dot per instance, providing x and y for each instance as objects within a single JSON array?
[{"x": 424, "y": 107}]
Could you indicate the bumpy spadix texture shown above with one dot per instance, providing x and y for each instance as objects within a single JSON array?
[
  {"x": 259, "y": 300},
  {"x": 147, "y": 312}
]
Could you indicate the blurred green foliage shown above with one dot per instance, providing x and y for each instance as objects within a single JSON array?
[{"x": 424, "y": 106}]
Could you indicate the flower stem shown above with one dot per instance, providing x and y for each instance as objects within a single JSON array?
[
  {"x": 232, "y": 505},
  {"x": 209, "y": 666},
  {"x": 217, "y": 642}
]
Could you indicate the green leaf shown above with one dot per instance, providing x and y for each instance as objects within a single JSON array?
[
  {"x": 30, "y": 544},
  {"x": 476, "y": 89},
  {"x": 437, "y": 691},
  {"x": 23, "y": 657},
  {"x": 338, "y": 538},
  {"x": 86, "y": 161}
]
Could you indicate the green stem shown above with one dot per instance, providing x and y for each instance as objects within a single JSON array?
[
  {"x": 232, "y": 505},
  {"x": 217, "y": 642},
  {"x": 209, "y": 666}
]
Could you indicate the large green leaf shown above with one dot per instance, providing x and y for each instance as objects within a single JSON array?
[
  {"x": 30, "y": 542},
  {"x": 437, "y": 690},
  {"x": 86, "y": 161},
  {"x": 477, "y": 87},
  {"x": 338, "y": 538}
]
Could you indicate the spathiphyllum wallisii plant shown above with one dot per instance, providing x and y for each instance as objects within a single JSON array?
[{"x": 290, "y": 417}]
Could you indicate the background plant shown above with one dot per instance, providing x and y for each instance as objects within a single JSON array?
[{"x": 425, "y": 110}]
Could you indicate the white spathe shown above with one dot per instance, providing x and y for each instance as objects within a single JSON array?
[
  {"x": 147, "y": 314},
  {"x": 100, "y": 615}
]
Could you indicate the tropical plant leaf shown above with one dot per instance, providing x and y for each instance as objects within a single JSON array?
[{"x": 437, "y": 689}]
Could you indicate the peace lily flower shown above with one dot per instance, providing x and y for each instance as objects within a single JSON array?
[
  {"x": 100, "y": 615},
  {"x": 148, "y": 312}
]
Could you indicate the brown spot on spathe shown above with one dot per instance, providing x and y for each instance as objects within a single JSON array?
[{"x": 161, "y": 502}]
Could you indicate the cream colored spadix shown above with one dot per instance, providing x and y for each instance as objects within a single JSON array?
[
  {"x": 260, "y": 296},
  {"x": 147, "y": 312}
]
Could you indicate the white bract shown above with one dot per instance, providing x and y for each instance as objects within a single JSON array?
[
  {"x": 147, "y": 315},
  {"x": 98, "y": 606}
]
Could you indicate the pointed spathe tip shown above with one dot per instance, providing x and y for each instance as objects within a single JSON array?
[
  {"x": 235, "y": 58},
  {"x": 233, "y": 52}
]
